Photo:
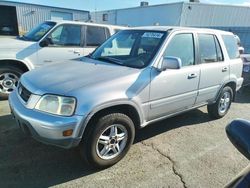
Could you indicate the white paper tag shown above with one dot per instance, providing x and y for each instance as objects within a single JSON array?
[{"x": 152, "y": 35}]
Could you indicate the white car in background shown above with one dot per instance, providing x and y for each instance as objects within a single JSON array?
[{"x": 49, "y": 42}]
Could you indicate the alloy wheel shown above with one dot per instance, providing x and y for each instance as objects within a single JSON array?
[
  {"x": 8, "y": 82},
  {"x": 224, "y": 102},
  {"x": 112, "y": 142}
]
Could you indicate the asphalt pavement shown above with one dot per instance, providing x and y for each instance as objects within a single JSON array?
[{"x": 189, "y": 150}]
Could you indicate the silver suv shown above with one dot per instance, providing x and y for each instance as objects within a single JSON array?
[{"x": 135, "y": 78}]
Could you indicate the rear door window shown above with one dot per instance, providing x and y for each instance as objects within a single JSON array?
[
  {"x": 209, "y": 48},
  {"x": 231, "y": 46},
  {"x": 218, "y": 50},
  {"x": 95, "y": 36}
]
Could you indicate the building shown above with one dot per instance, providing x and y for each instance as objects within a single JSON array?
[
  {"x": 18, "y": 18},
  {"x": 190, "y": 14}
]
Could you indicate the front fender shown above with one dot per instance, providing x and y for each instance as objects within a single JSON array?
[
  {"x": 109, "y": 104},
  {"x": 28, "y": 64}
]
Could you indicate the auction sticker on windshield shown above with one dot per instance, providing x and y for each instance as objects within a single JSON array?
[{"x": 152, "y": 35}]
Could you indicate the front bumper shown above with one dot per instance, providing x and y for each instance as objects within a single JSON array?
[{"x": 45, "y": 127}]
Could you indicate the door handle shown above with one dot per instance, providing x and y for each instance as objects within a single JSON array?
[
  {"x": 47, "y": 61},
  {"x": 193, "y": 75},
  {"x": 224, "y": 69}
]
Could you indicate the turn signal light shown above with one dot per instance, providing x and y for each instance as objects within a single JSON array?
[{"x": 68, "y": 132}]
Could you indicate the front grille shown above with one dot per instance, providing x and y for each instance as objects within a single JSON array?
[{"x": 23, "y": 92}]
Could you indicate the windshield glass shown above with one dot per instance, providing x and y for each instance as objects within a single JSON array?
[
  {"x": 132, "y": 48},
  {"x": 38, "y": 32}
]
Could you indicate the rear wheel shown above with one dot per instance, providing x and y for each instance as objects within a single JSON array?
[
  {"x": 222, "y": 105},
  {"x": 108, "y": 140},
  {"x": 9, "y": 77}
]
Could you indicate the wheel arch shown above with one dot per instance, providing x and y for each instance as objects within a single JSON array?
[
  {"x": 128, "y": 109},
  {"x": 231, "y": 84},
  {"x": 16, "y": 63}
]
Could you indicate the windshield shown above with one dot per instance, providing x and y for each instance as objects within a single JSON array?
[
  {"x": 132, "y": 48},
  {"x": 38, "y": 32}
]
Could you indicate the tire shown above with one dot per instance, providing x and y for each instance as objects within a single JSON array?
[
  {"x": 92, "y": 147},
  {"x": 220, "y": 108},
  {"x": 9, "y": 77}
]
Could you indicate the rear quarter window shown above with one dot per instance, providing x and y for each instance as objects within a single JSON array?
[{"x": 230, "y": 42}]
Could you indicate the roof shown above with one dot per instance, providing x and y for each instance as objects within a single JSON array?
[
  {"x": 218, "y": 4},
  {"x": 85, "y": 23},
  {"x": 166, "y": 28},
  {"x": 181, "y": 2},
  {"x": 141, "y": 7},
  {"x": 7, "y": 1}
]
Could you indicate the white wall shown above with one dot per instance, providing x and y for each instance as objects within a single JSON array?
[
  {"x": 163, "y": 15},
  {"x": 210, "y": 15},
  {"x": 97, "y": 17},
  {"x": 183, "y": 14},
  {"x": 166, "y": 14}
]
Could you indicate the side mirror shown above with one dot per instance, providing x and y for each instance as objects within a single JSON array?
[
  {"x": 170, "y": 62},
  {"x": 241, "y": 50},
  {"x": 46, "y": 42},
  {"x": 238, "y": 132}
]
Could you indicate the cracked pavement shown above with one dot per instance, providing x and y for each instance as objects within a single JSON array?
[
  {"x": 170, "y": 159},
  {"x": 189, "y": 150}
]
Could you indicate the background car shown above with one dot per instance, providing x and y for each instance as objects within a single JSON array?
[
  {"x": 246, "y": 69},
  {"x": 50, "y": 42},
  {"x": 6, "y": 30}
]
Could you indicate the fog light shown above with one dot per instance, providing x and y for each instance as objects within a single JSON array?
[{"x": 68, "y": 132}]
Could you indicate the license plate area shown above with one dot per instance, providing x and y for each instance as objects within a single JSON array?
[
  {"x": 246, "y": 68},
  {"x": 21, "y": 125}
]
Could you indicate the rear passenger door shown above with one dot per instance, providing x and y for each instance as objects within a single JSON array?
[
  {"x": 214, "y": 69},
  {"x": 94, "y": 37}
]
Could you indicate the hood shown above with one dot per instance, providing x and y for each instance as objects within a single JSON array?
[
  {"x": 62, "y": 78},
  {"x": 14, "y": 43}
]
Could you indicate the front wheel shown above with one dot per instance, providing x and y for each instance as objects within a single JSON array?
[
  {"x": 9, "y": 77},
  {"x": 108, "y": 140},
  {"x": 222, "y": 105}
]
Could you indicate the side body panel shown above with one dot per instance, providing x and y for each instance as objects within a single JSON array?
[{"x": 172, "y": 91}]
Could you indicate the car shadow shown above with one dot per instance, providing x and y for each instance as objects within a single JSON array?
[
  {"x": 190, "y": 118},
  {"x": 243, "y": 96},
  {"x": 25, "y": 162}
]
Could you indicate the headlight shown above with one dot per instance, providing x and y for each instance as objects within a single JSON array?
[{"x": 63, "y": 106}]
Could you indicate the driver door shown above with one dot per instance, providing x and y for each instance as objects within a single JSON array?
[
  {"x": 175, "y": 90},
  {"x": 65, "y": 43}
]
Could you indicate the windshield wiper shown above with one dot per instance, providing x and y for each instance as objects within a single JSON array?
[{"x": 110, "y": 60}]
